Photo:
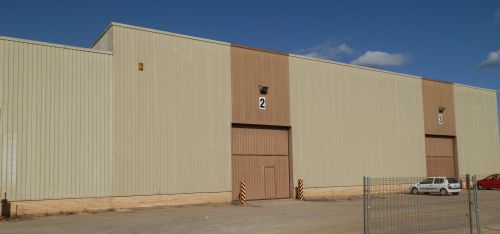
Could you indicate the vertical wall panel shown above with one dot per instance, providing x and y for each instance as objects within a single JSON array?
[
  {"x": 54, "y": 104},
  {"x": 105, "y": 42},
  {"x": 172, "y": 121},
  {"x": 251, "y": 68},
  {"x": 13, "y": 134},
  {"x": 478, "y": 145},
  {"x": 3, "y": 96},
  {"x": 2, "y": 112},
  {"x": 349, "y": 121},
  {"x": 438, "y": 94}
]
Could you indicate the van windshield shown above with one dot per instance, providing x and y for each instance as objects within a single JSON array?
[{"x": 452, "y": 180}]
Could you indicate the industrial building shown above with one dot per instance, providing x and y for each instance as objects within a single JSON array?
[{"x": 150, "y": 113}]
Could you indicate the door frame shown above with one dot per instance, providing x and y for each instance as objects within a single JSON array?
[{"x": 274, "y": 181}]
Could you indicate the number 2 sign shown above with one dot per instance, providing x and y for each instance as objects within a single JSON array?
[{"x": 262, "y": 103}]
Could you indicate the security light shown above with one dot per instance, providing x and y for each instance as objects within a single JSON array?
[
  {"x": 263, "y": 89},
  {"x": 441, "y": 109}
]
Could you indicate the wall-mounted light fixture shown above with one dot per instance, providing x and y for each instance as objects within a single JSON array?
[
  {"x": 263, "y": 89},
  {"x": 140, "y": 66},
  {"x": 441, "y": 109}
]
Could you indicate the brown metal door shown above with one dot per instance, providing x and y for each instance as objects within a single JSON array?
[
  {"x": 260, "y": 158},
  {"x": 440, "y": 156}
]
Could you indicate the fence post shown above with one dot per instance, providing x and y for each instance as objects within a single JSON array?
[
  {"x": 467, "y": 186},
  {"x": 476, "y": 205},
  {"x": 366, "y": 204}
]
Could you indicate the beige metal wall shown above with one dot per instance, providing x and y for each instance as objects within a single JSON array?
[
  {"x": 477, "y": 130},
  {"x": 77, "y": 122},
  {"x": 105, "y": 42},
  {"x": 349, "y": 121},
  {"x": 172, "y": 121},
  {"x": 55, "y": 118}
]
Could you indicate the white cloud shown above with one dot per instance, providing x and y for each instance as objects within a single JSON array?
[
  {"x": 381, "y": 59},
  {"x": 497, "y": 16},
  {"x": 492, "y": 60},
  {"x": 327, "y": 50}
]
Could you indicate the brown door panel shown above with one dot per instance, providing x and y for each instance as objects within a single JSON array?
[
  {"x": 258, "y": 141},
  {"x": 262, "y": 175},
  {"x": 440, "y": 156},
  {"x": 440, "y": 166}
]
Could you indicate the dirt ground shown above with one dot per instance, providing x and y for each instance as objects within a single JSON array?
[{"x": 273, "y": 216}]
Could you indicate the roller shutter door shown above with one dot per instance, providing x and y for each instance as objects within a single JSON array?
[
  {"x": 260, "y": 158},
  {"x": 440, "y": 156}
]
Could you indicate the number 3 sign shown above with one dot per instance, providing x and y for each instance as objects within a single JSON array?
[
  {"x": 262, "y": 103},
  {"x": 440, "y": 119}
]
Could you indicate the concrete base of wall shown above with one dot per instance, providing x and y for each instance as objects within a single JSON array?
[
  {"x": 335, "y": 193},
  {"x": 113, "y": 203}
]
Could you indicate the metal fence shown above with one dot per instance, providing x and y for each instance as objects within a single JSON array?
[
  {"x": 391, "y": 207},
  {"x": 488, "y": 204}
]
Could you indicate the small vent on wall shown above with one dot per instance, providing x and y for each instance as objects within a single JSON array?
[{"x": 140, "y": 66}]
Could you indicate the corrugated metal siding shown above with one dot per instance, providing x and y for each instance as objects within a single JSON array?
[
  {"x": 260, "y": 158},
  {"x": 105, "y": 43},
  {"x": 172, "y": 121},
  {"x": 3, "y": 89},
  {"x": 437, "y": 94},
  {"x": 477, "y": 130},
  {"x": 55, "y": 109},
  {"x": 259, "y": 141},
  {"x": 348, "y": 122},
  {"x": 441, "y": 166},
  {"x": 440, "y": 156},
  {"x": 251, "y": 68},
  {"x": 436, "y": 146},
  {"x": 252, "y": 169}
]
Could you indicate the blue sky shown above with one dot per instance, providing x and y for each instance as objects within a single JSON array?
[{"x": 457, "y": 41}]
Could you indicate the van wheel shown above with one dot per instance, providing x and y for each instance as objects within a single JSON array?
[
  {"x": 443, "y": 192},
  {"x": 454, "y": 193},
  {"x": 414, "y": 191}
]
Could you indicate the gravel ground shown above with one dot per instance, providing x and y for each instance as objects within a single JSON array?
[
  {"x": 274, "y": 216},
  {"x": 401, "y": 213}
]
